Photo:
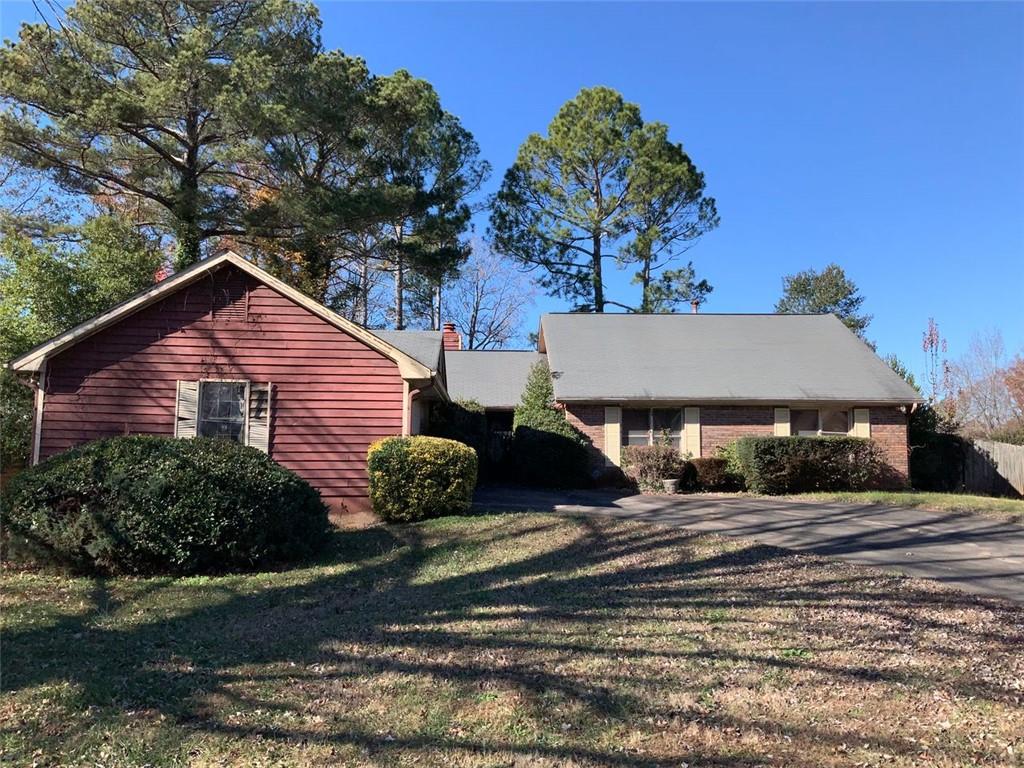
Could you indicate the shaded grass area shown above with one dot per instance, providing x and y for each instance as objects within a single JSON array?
[
  {"x": 1004, "y": 510},
  {"x": 513, "y": 640}
]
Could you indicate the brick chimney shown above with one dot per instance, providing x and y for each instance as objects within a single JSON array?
[
  {"x": 450, "y": 338},
  {"x": 695, "y": 307}
]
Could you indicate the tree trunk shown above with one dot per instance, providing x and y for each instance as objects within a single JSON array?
[
  {"x": 186, "y": 206},
  {"x": 435, "y": 320},
  {"x": 399, "y": 291},
  {"x": 598, "y": 281},
  {"x": 364, "y": 292},
  {"x": 645, "y": 296},
  {"x": 399, "y": 281}
]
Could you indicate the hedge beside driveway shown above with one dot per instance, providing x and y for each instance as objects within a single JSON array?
[{"x": 778, "y": 465}]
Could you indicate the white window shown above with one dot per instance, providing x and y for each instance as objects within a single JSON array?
[
  {"x": 223, "y": 409},
  {"x": 649, "y": 426},
  {"x": 811, "y": 422},
  {"x": 233, "y": 410}
]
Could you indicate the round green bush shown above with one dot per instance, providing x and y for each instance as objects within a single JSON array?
[
  {"x": 161, "y": 505},
  {"x": 413, "y": 478}
]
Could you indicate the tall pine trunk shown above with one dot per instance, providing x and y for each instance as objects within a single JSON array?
[
  {"x": 399, "y": 290},
  {"x": 399, "y": 281},
  {"x": 364, "y": 292},
  {"x": 645, "y": 277},
  {"x": 186, "y": 205}
]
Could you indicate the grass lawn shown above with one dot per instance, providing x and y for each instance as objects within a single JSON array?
[
  {"x": 514, "y": 640},
  {"x": 1006, "y": 510}
]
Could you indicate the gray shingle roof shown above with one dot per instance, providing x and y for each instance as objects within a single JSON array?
[
  {"x": 422, "y": 346},
  {"x": 705, "y": 357},
  {"x": 494, "y": 378}
]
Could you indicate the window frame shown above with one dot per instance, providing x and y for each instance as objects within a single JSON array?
[
  {"x": 244, "y": 437},
  {"x": 624, "y": 433},
  {"x": 819, "y": 432}
]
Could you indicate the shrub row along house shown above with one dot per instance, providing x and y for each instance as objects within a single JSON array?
[{"x": 225, "y": 349}]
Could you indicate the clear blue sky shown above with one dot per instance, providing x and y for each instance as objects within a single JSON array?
[{"x": 886, "y": 137}]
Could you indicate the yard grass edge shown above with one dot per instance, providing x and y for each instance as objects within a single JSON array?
[{"x": 990, "y": 507}]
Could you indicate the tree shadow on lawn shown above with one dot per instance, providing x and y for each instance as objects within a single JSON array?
[{"x": 615, "y": 628}]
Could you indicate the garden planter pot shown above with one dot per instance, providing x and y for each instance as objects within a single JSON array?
[{"x": 670, "y": 486}]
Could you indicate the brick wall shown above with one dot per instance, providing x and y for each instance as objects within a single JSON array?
[
  {"x": 589, "y": 419},
  {"x": 721, "y": 424},
  {"x": 889, "y": 431}
]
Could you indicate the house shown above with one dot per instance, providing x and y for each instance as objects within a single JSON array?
[
  {"x": 224, "y": 349},
  {"x": 702, "y": 380}
]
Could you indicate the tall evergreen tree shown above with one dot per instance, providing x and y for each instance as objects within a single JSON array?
[
  {"x": 668, "y": 212},
  {"x": 811, "y": 292},
  {"x": 602, "y": 185},
  {"x": 140, "y": 98}
]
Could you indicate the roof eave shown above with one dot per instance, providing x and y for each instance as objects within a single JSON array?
[{"x": 739, "y": 400}]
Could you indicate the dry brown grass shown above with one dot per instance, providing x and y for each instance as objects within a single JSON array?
[{"x": 514, "y": 640}]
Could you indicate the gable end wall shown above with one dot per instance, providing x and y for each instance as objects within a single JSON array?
[{"x": 333, "y": 395}]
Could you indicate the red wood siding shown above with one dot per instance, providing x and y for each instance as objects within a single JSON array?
[{"x": 333, "y": 395}]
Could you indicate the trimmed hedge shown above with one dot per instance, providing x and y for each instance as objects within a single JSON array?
[
  {"x": 648, "y": 465},
  {"x": 146, "y": 505},
  {"x": 776, "y": 465},
  {"x": 413, "y": 478}
]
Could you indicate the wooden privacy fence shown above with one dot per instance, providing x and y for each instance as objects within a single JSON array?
[{"x": 994, "y": 468}]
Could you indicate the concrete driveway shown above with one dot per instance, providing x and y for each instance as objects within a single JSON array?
[{"x": 972, "y": 553}]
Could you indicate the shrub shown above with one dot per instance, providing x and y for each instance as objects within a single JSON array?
[
  {"x": 648, "y": 465},
  {"x": 937, "y": 462},
  {"x": 462, "y": 420},
  {"x": 160, "y": 505},
  {"x": 732, "y": 465},
  {"x": 712, "y": 474},
  {"x": 412, "y": 478},
  {"x": 546, "y": 449},
  {"x": 774, "y": 465},
  {"x": 466, "y": 421}
]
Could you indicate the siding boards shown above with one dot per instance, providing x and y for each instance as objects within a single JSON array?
[{"x": 333, "y": 395}]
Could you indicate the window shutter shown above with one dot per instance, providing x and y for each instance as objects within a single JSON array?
[
  {"x": 861, "y": 422},
  {"x": 691, "y": 432},
  {"x": 782, "y": 422},
  {"x": 613, "y": 434},
  {"x": 186, "y": 413},
  {"x": 258, "y": 434}
]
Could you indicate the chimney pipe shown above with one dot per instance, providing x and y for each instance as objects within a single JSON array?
[
  {"x": 694, "y": 306},
  {"x": 450, "y": 338}
]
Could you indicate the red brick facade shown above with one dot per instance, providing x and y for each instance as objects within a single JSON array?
[
  {"x": 589, "y": 419},
  {"x": 889, "y": 430},
  {"x": 721, "y": 424}
]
